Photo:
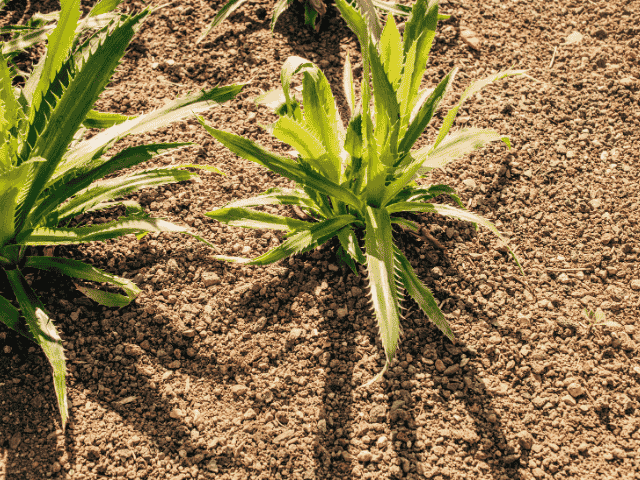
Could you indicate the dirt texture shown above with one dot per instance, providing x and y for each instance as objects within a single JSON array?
[{"x": 222, "y": 371}]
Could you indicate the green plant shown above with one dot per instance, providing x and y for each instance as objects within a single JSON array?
[
  {"x": 49, "y": 175},
  {"x": 313, "y": 12},
  {"x": 595, "y": 319},
  {"x": 40, "y": 26},
  {"x": 355, "y": 181}
]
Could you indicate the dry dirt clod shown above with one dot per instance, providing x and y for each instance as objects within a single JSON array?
[{"x": 470, "y": 38}]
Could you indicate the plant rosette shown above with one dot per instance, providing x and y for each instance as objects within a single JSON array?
[
  {"x": 49, "y": 174},
  {"x": 314, "y": 10},
  {"x": 354, "y": 181}
]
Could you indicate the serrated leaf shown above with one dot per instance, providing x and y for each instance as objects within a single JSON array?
[
  {"x": 77, "y": 269},
  {"x": 456, "y": 145},
  {"x": 471, "y": 90},
  {"x": 224, "y": 13},
  {"x": 391, "y": 52},
  {"x": 243, "y": 217},
  {"x": 84, "y": 83},
  {"x": 278, "y": 9},
  {"x": 381, "y": 277},
  {"x": 452, "y": 212},
  {"x": 421, "y": 294},
  {"x": 58, "y": 45},
  {"x": 305, "y": 240},
  {"x": 283, "y": 166},
  {"x": 45, "y": 335},
  {"x": 171, "y": 112},
  {"x": 274, "y": 196},
  {"x": 113, "y": 229},
  {"x": 106, "y": 190},
  {"x": 418, "y": 122},
  {"x": 95, "y": 119},
  {"x": 348, "y": 86}
]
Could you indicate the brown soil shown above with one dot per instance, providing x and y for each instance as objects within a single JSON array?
[{"x": 234, "y": 372}]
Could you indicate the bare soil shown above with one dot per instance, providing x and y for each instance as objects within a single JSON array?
[{"x": 234, "y": 372}]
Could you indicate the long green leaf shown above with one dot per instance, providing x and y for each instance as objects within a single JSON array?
[
  {"x": 104, "y": 6},
  {"x": 283, "y": 166},
  {"x": 80, "y": 178},
  {"x": 321, "y": 117},
  {"x": 113, "y": 229},
  {"x": 10, "y": 316},
  {"x": 452, "y": 212},
  {"x": 106, "y": 190},
  {"x": 224, "y": 13},
  {"x": 404, "y": 89},
  {"x": 243, "y": 217},
  {"x": 172, "y": 112},
  {"x": 300, "y": 242},
  {"x": 305, "y": 240},
  {"x": 455, "y": 146},
  {"x": 371, "y": 15},
  {"x": 45, "y": 334},
  {"x": 58, "y": 45},
  {"x": 387, "y": 108},
  {"x": 380, "y": 273},
  {"x": 391, "y": 52},
  {"x": 348, "y": 86},
  {"x": 421, "y": 294},
  {"x": 85, "y": 81},
  {"x": 424, "y": 41},
  {"x": 274, "y": 196},
  {"x": 11, "y": 183},
  {"x": 471, "y": 90},
  {"x": 289, "y": 131},
  {"x": 425, "y": 114},
  {"x": 95, "y": 119},
  {"x": 77, "y": 269}
]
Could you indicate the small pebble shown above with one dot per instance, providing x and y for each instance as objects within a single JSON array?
[
  {"x": 364, "y": 456},
  {"x": 525, "y": 439}
]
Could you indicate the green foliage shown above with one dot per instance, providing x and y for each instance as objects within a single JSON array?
[
  {"x": 49, "y": 174},
  {"x": 313, "y": 12},
  {"x": 355, "y": 180},
  {"x": 595, "y": 319},
  {"x": 40, "y": 26}
]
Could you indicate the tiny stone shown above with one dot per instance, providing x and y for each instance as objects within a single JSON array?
[
  {"x": 569, "y": 400},
  {"x": 238, "y": 390},
  {"x": 635, "y": 284},
  {"x": 342, "y": 312},
  {"x": 437, "y": 272},
  {"x": 538, "y": 473},
  {"x": 176, "y": 413},
  {"x": 440, "y": 365},
  {"x": 452, "y": 370},
  {"x": 250, "y": 414},
  {"x": 575, "y": 389},
  {"x": 525, "y": 439},
  {"x": 382, "y": 442},
  {"x": 564, "y": 278},
  {"x": 470, "y": 38},
  {"x": 470, "y": 183},
  {"x": 322, "y": 425},
  {"x": 210, "y": 278},
  {"x": 364, "y": 456}
]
